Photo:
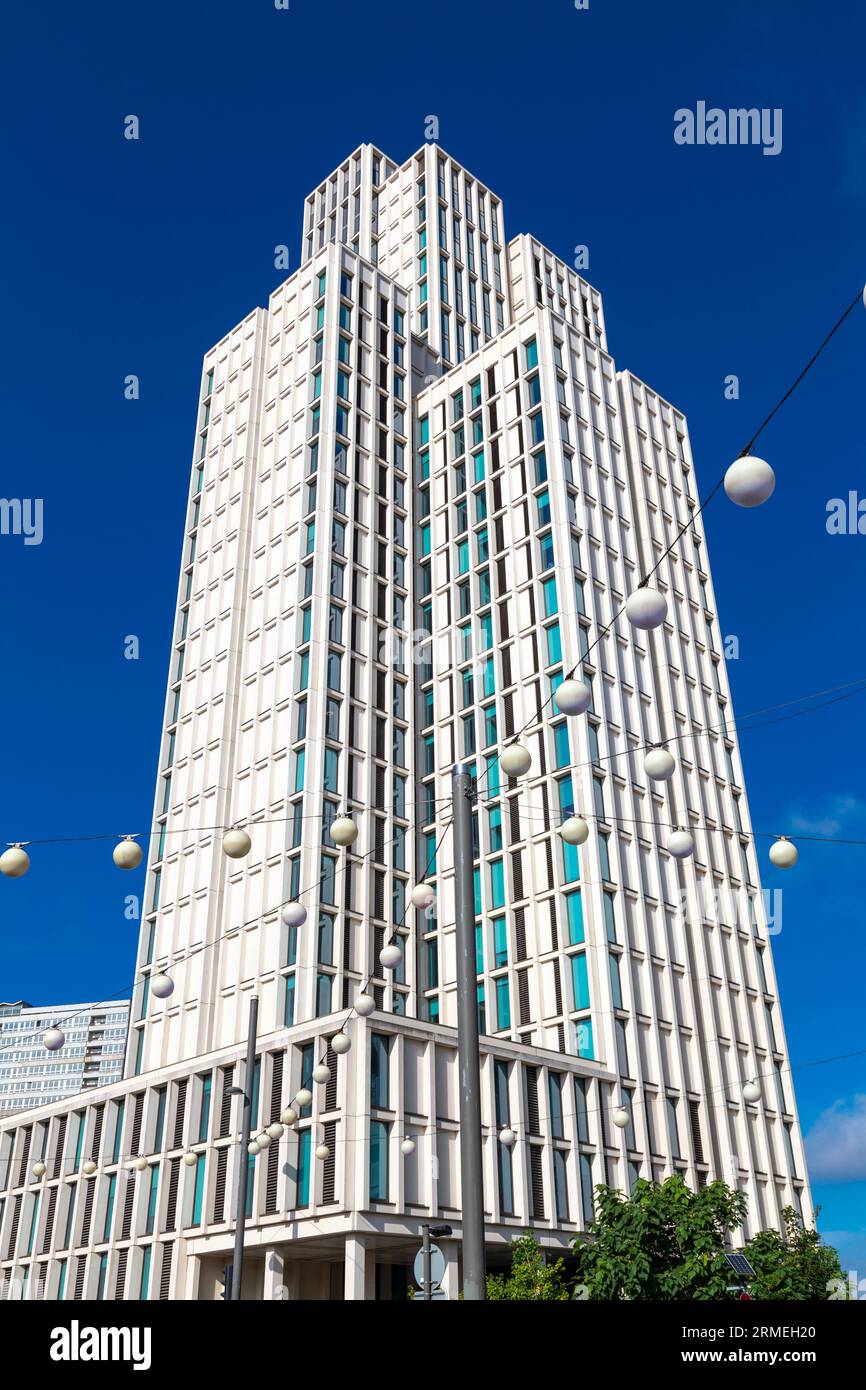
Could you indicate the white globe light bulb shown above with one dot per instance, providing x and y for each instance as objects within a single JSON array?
[
  {"x": 749, "y": 481},
  {"x": 344, "y": 832},
  {"x": 574, "y": 830},
  {"x": 14, "y": 861},
  {"x": 303, "y": 1097},
  {"x": 263, "y": 1141},
  {"x": 364, "y": 1005},
  {"x": 141, "y": 1164},
  {"x": 275, "y": 1130},
  {"x": 751, "y": 1092},
  {"x": 390, "y": 956},
  {"x": 507, "y": 1137},
  {"x": 190, "y": 1159},
  {"x": 236, "y": 844},
  {"x": 323, "y": 1152},
  {"x": 253, "y": 1147},
  {"x": 407, "y": 1147},
  {"x": 340, "y": 1043},
  {"x": 53, "y": 1039},
  {"x": 659, "y": 764},
  {"x": 128, "y": 854},
  {"x": 515, "y": 760},
  {"x": 572, "y": 697},
  {"x": 620, "y": 1117},
  {"x": 681, "y": 843},
  {"x": 289, "y": 1116},
  {"x": 646, "y": 608},
  {"x": 88, "y": 1168},
  {"x": 162, "y": 986},
  {"x": 294, "y": 914},
  {"x": 783, "y": 854},
  {"x": 321, "y": 1073},
  {"x": 38, "y": 1169},
  {"x": 423, "y": 895}
]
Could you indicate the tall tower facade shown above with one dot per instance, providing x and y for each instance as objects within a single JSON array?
[{"x": 421, "y": 491}]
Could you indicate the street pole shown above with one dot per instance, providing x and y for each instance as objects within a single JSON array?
[
  {"x": 471, "y": 1171},
  {"x": 427, "y": 1256},
  {"x": 243, "y": 1164}
]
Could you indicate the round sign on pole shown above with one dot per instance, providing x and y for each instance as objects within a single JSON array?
[{"x": 437, "y": 1267}]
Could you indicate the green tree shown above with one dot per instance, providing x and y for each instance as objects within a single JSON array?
[
  {"x": 531, "y": 1277},
  {"x": 793, "y": 1264},
  {"x": 665, "y": 1242}
]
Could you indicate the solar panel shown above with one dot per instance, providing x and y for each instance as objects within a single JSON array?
[{"x": 739, "y": 1264}]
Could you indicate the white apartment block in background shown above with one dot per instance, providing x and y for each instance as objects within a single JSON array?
[
  {"x": 420, "y": 491},
  {"x": 91, "y": 1056}
]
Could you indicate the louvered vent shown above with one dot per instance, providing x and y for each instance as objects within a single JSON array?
[
  {"x": 25, "y": 1155},
  {"x": 165, "y": 1275},
  {"x": 171, "y": 1203},
  {"x": 333, "y": 1062},
  {"x": 89, "y": 1189},
  {"x": 49, "y": 1220},
  {"x": 557, "y": 986},
  {"x": 695, "y": 1118},
  {"x": 517, "y": 875},
  {"x": 180, "y": 1112},
  {"x": 219, "y": 1192},
  {"x": 532, "y": 1122},
  {"x": 13, "y": 1227},
  {"x": 80, "y": 1271},
  {"x": 554, "y": 934},
  {"x": 560, "y": 1030},
  {"x": 520, "y": 933},
  {"x": 536, "y": 1153},
  {"x": 548, "y": 862},
  {"x": 523, "y": 1007},
  {"x": 57, "y": 1166},
  {"x": 99, "y": 1116},
  {"x": 120, "y": 1281},
  {"x": 138, "y": 1111},
  {"x": 129, "y": 1199},
  {"x": 227, "y": 1074},
  {"x": 329, "y": 1167},
  {"x": 544, "y": 806},
  {"x": 514, "y": 820}
]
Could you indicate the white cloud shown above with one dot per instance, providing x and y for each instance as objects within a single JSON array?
[
  {"x": 836, "y": 1143},
  {"x": 828, "y": 815}
]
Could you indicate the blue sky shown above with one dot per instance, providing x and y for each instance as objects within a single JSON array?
[{"x": 134, "y": 257}]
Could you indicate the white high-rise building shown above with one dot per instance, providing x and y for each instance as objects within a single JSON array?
[
  {"x": 421, "y": 490},
  {"x": 92, "y": 1054}
]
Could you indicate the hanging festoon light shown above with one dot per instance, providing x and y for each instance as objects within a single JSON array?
[
  {"x": 14, "y": 861},
  {"x": 190, "y": 1158},
  {"x": 323, "y": 1152},
  {"x": 263, "y": 1140},
  {"x": 236, "y": 844},
  {"x": 659, "y": 764},
  {"x": 390, "y": 956},
  {"x": 751, "y": 1092},
  {"x": 572, "y": 697},
  {"x": 321, "y": 1073},
  {"x": 39, "y": 1169},
  {"x": 574, "y": 830},
  {"x": 303, "y": 1097},
  {"x": 681, "y": 843},
  {"x": 289, "y": 1116},
  {"x": 423, "y": 895},
  {"x": 364, "y": 1005},
  {"x": 344, "y": 831},
  {"x": 294, "y": 915},
  {"x": 141, "y": 1164},
  {"x": 275, "y": 1130},
  {"x": 646, "y": 608},
  {"x": 620, "y": 1117},
  {"x": 253, "y": 1147},
  {"x": 340, "y": 1043},
  {"x": 53, "y": 1039},
  {"x": 507, "y": 1137},
  {"x": 88, "y": 1167},
  {"x": 161, "y": 986},
  {"x": 749, "y": 481},
  {"x": 127, "y": 854},
  {"x": 515, "y": 760},
  {"x": 783, "y": 853},
  {"x": 407, "y": 1147}
]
